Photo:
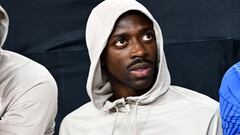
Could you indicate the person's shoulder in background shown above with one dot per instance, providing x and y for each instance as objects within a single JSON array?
[
  {"x": 229, "y": 95},
  {"x": 29, "y": 96}
]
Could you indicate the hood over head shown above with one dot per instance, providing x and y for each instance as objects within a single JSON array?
[
  {"x": 4, "y": 22},
  {"x": 99, "y": 27}
]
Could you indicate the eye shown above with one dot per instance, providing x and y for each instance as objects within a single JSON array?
[
  {"x": 147, "y": 37},
  {"x": 120, "y": 42}
]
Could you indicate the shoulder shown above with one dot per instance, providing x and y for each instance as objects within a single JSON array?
[
  {"x": 229, "y": 94},
  {"x": 194, "y": 98},
  {"x": 19, "y": 67},
  {"x": 232, "y": 75},
  {"x": 229, "y": 88},
  {"x": 88, "y": 110},
  {"x": 80, "y": 119},
  {"x": 233, "y": 70},
  {"x": 22, "y": 76}
]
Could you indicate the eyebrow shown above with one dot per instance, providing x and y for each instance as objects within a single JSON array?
[
  {"x": 142, "y": 30},
  {"x": 147, "y": 29}
]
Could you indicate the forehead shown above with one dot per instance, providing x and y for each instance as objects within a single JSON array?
[{"x": 132, "y": 18}]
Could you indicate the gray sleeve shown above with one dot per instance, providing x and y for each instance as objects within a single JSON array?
[{"x": 33, "y": 112}]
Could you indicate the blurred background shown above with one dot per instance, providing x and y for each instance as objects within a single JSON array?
[{"x": 201, "y": 38}]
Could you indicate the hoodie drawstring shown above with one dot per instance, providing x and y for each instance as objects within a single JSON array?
[
  {"x": 135, "y": 120},
  {"x": 115, "y": 120}
]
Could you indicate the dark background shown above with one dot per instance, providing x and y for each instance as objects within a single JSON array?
[{"x": 201, "y": 41}]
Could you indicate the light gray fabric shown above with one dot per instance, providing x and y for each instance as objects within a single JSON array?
[
  {"x": 28, "y": 93},
  {"x": 164, "y": 109}
]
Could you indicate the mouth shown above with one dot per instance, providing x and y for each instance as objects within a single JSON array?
[{"x": 141, "y": 70}]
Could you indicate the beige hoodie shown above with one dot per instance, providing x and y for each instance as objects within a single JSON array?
[
  {"x": 28, "y": 93},
  {"x": 163, "y": 110}
]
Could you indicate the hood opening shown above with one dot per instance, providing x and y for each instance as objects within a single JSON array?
[{"x": 99, "y": 27}]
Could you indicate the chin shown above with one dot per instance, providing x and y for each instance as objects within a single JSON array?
[{"x": 142, "y": 86}]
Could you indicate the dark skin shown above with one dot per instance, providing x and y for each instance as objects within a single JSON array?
[
  {"x": 1, "y": 16},
  {"x": 130, "y": 56}
]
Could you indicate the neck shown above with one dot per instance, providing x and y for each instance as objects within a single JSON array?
[{"x": 123, "y": 92}]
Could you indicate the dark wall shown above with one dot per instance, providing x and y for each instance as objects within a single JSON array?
[
  {"x": 194, "y": 20},
  {"x": 201, "y": 41}
]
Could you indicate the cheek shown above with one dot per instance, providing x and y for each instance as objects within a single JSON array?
[
  {"x": 152, "y": 49},
  {"x": 116, "y": 63}
]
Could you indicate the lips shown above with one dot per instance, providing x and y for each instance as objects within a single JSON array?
[
  {"x": 141, "y": 70},
  {"x": 139, "y": 66}
]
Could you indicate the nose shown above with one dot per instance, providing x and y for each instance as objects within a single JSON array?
[{"x": 138, "y": 49}]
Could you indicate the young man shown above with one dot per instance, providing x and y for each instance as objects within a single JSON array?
[
  {"x": 28, "y": 93},
  {"x": 129, "y": 83},
  {"x": 229, "y": 95}
]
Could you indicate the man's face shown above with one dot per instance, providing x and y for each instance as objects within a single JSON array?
[{"x": 130, "y": 55}]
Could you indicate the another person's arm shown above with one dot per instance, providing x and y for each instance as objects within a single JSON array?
[{"x": 33, "y": 112}]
